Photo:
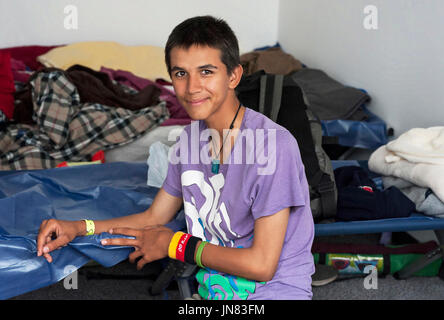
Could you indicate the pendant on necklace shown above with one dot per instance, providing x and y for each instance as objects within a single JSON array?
[{"x": 215, "y": 166}]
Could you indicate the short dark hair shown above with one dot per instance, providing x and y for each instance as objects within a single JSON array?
[{"x": 205, "y": 31}]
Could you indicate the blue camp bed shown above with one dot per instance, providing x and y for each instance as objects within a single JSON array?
[
  {"x": 101, "y": 192},
  {"x": 416, "y": 221}
]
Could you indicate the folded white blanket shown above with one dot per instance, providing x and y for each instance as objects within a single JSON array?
[
  {"x": 422, "y": 174},
  {"x": 419, "y": 145}
]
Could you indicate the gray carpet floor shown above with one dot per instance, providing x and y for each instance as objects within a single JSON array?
[
  {"x": 120, "y": 282},
  {"x": 388, "y": 288}
]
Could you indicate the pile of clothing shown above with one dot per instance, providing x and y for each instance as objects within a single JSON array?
[
  {"x": 57, "y": 125},
  {"x": 414, "y": 163},
  {"x": 326, "y": 97},
  {"x": 360, "y": 197},
  {"x": 49, "y": 115}
]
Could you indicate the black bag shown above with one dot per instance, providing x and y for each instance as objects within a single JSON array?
[{"x": 281, "y": 99}]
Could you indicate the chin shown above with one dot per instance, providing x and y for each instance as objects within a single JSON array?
[
  {"x": 198, "y": 117},
  {"x": 197, "y": 114}
]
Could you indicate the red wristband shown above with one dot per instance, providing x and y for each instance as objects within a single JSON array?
[{"x": 180, "y": 249}]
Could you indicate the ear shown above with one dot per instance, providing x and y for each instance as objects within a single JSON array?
[{"x": 236, "y": 76}]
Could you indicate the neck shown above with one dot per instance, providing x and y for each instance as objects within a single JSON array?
[
  {"x": 224, "y": 145},
  {"x": 223, "y": 118}
]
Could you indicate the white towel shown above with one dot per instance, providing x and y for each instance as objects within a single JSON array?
[
  {"x": 419, "y": 145},
  {"x": 422, "y": 174}
]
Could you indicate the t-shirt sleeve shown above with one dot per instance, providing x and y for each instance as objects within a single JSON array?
[
  {"x": 286, "y": 185},
  {"x": 172, "y": 183}
]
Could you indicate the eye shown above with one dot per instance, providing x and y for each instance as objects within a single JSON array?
[
  {"x": 179, "y": 74},
  {"x": 206, "y": 72}
]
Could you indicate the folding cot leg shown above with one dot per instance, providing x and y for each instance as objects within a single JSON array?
[
  {"x": 183, "y": 279},
  {"x": 177, "y": 270},
  {"x": 422, "y": 262},
  {"x": 440, "y": 236},
  {"x": 184, "y": 288}
]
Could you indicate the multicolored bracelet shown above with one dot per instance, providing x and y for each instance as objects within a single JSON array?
[{"x": 182, "y": 247}]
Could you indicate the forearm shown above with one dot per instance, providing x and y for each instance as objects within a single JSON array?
[
  {"x": 135, "y": 221},
  {"x": 249, "y": 263},
  {"x": 258, "y": 262},
  {"x": 161, "y": 211},
  {"x": 163, "y": 208}
]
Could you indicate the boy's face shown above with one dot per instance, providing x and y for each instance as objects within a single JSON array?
[{"x": 200, "y": 80}]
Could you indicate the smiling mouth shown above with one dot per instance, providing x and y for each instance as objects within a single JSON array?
[{"x": 196, "y": 102}]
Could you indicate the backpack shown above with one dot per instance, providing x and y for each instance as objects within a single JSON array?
[{"x": 280, "y": 98}]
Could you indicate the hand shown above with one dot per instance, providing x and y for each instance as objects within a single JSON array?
[
  {"x": 54, "y": 234},
  {"x": 150, "y": 243}
]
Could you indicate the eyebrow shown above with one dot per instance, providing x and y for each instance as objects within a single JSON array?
[
  {"x": 208, "y": 66},
  {"x": 205, "y": 66}
]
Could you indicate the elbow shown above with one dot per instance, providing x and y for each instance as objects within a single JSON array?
[
  {"x": 265, "y": 276},
  {"x": 264, "y": 272}
]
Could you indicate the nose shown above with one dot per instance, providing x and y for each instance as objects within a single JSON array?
[{"x": 194, "y": 84}]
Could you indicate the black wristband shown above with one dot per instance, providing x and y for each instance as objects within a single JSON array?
[{"x": 191, "y": 249}]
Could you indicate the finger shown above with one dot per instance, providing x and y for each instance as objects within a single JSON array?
[
  {"x": 141, "y": 263},
  {"x": 40, "y": 240},
  {"x": 120, "y": 242},
  {"x": 44, "y": 233},
  {"x": 153, "y": 226},
  {"x": 48, "y": 257},
  {"x": 54, "y": 244},
  {"x": 43, "y": 224},
  {"x": 133, "y": 256},
  {"x": 125, "y": 231}
]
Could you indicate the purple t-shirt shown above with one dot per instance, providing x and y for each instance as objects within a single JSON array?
[{"x": 222, "y": 207}]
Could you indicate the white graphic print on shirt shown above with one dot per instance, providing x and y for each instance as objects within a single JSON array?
[{"x": 209, "y": 216}]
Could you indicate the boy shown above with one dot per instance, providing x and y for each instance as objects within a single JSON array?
[{"x": 250, "y": 228}]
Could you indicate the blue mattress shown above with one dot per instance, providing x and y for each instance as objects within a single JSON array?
[{"x": 94, "y": 191}]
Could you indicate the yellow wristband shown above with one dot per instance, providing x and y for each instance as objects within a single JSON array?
[
  {"x": 90, "y": 227},
  {"x": 173, "y": 244}
]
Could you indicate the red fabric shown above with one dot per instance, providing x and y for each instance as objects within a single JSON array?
[
  {"x": 19, "y": 71},
  {"x": 7, "y": 88},
  {"x": 62, "y": 164},
  {"x": 99, "y": 155},
  {"x": 28, "y": 54}
]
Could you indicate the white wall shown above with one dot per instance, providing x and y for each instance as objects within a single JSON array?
[
  {"x": 131, "y": 22},
  {"x": 400, "y": 64}
]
